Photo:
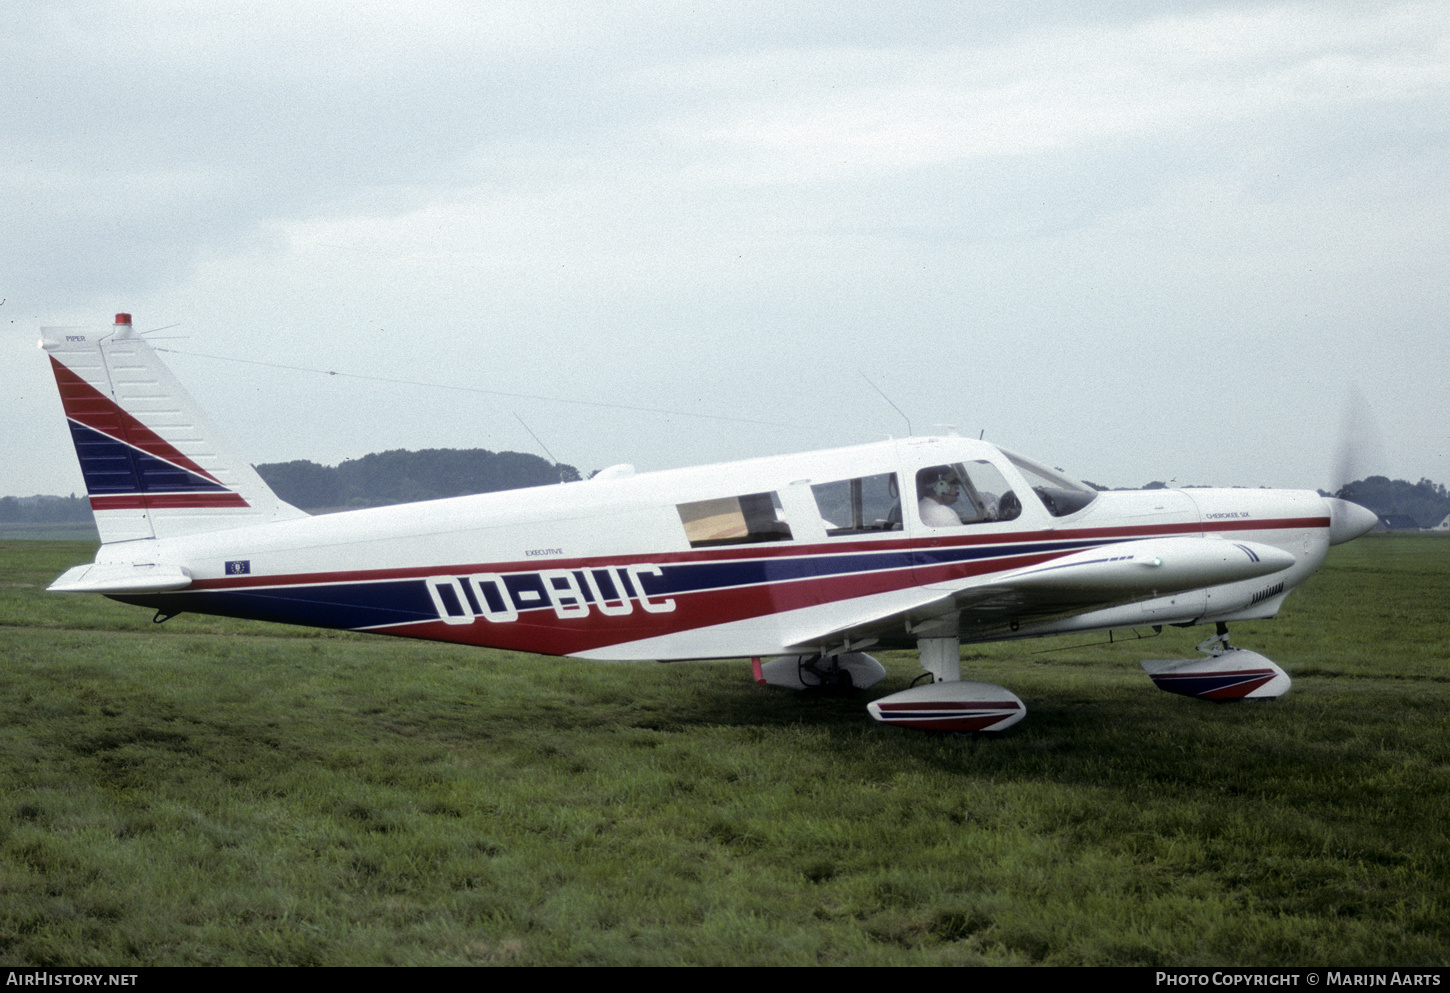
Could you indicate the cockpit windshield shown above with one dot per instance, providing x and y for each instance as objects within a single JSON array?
[{"x": 1060, "y": 494}]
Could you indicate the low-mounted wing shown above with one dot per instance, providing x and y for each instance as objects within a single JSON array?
[{"x": 1074, "y": 583}]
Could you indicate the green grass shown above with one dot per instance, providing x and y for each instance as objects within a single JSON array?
[{"x": 213, "y": 791}]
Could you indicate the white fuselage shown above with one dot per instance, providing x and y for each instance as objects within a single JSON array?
[{"x": 626, "y": 567}]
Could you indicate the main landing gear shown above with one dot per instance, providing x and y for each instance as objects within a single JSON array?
[
  {"x": 948, "y": 703},
  {"x": 829, "y": 673},
  {"x": 945, "y": 704}
]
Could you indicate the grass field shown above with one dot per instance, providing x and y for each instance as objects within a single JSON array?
[{"x": 210, "y": 791}]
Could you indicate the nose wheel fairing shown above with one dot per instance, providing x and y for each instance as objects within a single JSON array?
[{"x": 1234, "y": 675}]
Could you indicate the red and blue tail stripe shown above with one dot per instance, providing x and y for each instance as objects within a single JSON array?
[{"x": 125, "y": 464}]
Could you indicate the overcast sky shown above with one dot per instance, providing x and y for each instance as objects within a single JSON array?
[{"x": 1137, "y": 241}]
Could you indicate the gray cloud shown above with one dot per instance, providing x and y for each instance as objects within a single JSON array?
[{"x": 1140, "y": 243}]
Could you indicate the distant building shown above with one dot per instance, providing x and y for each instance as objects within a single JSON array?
[{"x": 1397, "y": 522}]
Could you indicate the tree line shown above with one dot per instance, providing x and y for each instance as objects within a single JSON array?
[
  {"x": 374, "y": 480},
  {"x": 1425, "y": 502},
  {"x": 45, "y": 510},
  {"x": 401, "y": 476}
]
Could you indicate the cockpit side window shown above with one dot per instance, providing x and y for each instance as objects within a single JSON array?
[
  {"x": 865, "y": 505},
  {"x": 964, "y": 493},
  {"x": 736, "y": 520}
]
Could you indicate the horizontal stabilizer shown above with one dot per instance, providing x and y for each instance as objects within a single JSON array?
[{"x": 123, "y": 577}]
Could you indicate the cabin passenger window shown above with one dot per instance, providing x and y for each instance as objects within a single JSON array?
[
  {"x": 970, "y": 493},
  {"x": 736, "y": 520},
  {"x": 867, "y": 505}
]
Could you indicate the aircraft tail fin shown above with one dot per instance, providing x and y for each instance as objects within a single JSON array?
[{"x": 153, "y": 464}]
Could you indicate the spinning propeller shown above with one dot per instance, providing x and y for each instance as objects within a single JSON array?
[{"x": 1359, "y": 448}]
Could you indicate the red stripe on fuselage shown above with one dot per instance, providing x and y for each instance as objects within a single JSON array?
[{"x": 1278, "y": 524}]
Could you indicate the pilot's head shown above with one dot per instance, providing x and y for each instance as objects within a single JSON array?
[{"x": 943, "y": 487}]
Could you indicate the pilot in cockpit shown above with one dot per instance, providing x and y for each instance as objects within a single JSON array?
[
  {"x": 940, "y": 489},
  {"x": 965, "y": 494}
]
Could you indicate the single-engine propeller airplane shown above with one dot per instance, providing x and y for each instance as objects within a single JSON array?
[{"x": 918, "y": 542}]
